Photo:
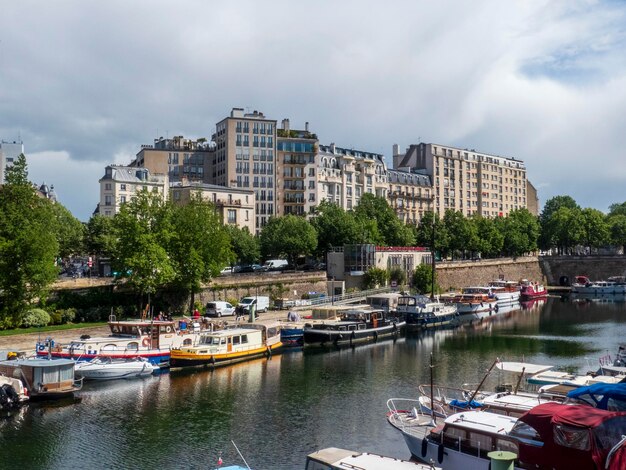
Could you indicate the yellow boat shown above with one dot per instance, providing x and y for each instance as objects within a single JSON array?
[{"x": 229, "y": 346}]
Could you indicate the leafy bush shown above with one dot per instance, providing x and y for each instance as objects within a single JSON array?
[
  {"x": 375, "y": 277},
  {"x": 35, "y": 317},
  {"x": 398, "y": 274},
  {"x": 422, "y": 278},
  {"x": 234, "y": 302}
]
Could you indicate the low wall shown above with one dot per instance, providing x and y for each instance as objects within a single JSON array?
[
  {"x": 291, "y": 285},
  {"x": 457, "y": 274}
]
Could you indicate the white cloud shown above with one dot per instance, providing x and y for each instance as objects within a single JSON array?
[{"x": 542, "y": 81}]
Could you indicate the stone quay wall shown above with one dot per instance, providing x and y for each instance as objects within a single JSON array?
[
  {"x": 595, "y": 267},
  {"x": 290, "y": 285},
  {"x": 457, "y": 274}
]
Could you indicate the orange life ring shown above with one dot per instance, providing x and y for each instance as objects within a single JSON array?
[{"x": 146, "y": 342}]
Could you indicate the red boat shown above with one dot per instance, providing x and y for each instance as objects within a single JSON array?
[{"x": 533, "y": 290}]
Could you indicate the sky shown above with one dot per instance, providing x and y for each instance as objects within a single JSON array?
[{"x": 85, "y": 83}]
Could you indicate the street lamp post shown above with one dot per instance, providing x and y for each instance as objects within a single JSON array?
[{"x": 432, "y": 249}]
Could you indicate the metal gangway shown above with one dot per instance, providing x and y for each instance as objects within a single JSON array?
[{"x": 344, "y": 299}]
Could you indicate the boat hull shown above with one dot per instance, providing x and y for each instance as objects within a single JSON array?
[
  {"x": 158, "y": 357},
  {"x": 180, "y": 359},
  {"x": 313, "y": 336}
]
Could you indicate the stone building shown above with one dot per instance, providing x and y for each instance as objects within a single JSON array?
[
  {"x": 409, "y": 195},
  {"x": 235, "y": 206},
  {"x": 244, "y": 158},
  {"x": 466, "y": 180}
]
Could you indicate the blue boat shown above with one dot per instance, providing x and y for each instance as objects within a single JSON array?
[{"x": 293, "y": 337}]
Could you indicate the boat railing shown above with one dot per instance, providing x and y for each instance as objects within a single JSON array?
[{"x": 407, "y": 413}]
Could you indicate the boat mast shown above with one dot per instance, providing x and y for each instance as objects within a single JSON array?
[
  {"x": 432, "y": 401},
  {"x": 482, "y": 381}
]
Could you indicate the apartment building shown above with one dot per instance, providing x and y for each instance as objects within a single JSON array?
[
  {"x": 244, "y": 158},
  {"x": 9, "y": 151},
  {"x": 532, "y": 199},
  {"x": 296, "y": 170},
  {"x": 409, "y": 195},
  {"x": 344, "y": 175},
  {"x": 466, "y": 180},
  {"x": 235, "y": 206},
  {"x": 179, "y": 158},
  {"x": 120, "y": 183}
]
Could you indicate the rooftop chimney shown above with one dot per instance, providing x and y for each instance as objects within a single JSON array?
[
  {"x": 396, "y": 149},
  {"x": 306, "y": 126},
  {"x": 286, "y": 125}
]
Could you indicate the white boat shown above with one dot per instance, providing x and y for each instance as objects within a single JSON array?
[
  {"x": 106, "y": 368},
  {"x": 582, "y": 285},
  {"x": 13, "y": 394},
  {"x": 333, "y": 458},
  {"x": 505, "y": 292},
  {"x": 540, "y": 375},
  {"x": 475, "y": 303}
]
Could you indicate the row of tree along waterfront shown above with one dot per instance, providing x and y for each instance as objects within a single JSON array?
[{"x": 156, "y": 245}]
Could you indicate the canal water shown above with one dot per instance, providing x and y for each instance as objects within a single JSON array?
[{"x": 277, "y": 411}]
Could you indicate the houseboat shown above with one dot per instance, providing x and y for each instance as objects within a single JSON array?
[
  {"x": 420, "y": 311},
  {"x": 386, "y": 302},
  {"x": 229, "y": 346},
  {"x": 354, "y": 326},
  {"x": 43, "y": 378},
  {"x": 151, "y": 340}
]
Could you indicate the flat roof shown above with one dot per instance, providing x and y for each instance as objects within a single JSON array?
[
  {"x": 482, "y": 421},
  {"x": 38, "y": 362}
]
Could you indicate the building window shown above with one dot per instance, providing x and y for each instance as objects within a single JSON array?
[
  {"x": 107, "y": 200},
  {"x": 107, "y": 186},
  {"x": 232, "y": 216},
  {"x": 122, "y": 199},
  {"x": 122, "y": 187}
]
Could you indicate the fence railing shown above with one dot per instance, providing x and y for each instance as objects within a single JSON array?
[{"x": 343, "y": 299}]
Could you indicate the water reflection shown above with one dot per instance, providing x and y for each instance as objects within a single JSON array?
[{"x": 280, "y": 409}]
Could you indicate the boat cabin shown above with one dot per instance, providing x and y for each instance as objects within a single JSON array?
[
  {"x": 42, "y": 377},
  {"x": 476, "y": 433},
  {"x": 386, "y": 302},
  {"x": 225, "y": 341},
  {"x": 270, "y": 331}
]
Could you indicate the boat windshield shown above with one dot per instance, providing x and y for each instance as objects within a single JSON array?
[{"x": 526, "y": 434}]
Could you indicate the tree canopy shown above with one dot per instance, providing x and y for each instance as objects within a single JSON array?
[{"x": 289, "y": 236}]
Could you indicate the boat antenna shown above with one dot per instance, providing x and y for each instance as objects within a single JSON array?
[
  {"x": 432, "y": 401},
  {"x": 237, "y": 449}
]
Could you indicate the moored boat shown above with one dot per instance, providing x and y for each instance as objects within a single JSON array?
[
  {"x": 533, "y": 290},
  {"x": 421, "y": 312},
  {"x": 106, "y": 368},
  {"x": 149, "y": 339},
  {"x": 474, "y": 303},
  {"x": 13, "y": 393},
  {"x": 582, "y": 285},
  {"x": 44, "y": 378},
  {"x": 229, "y": 346},
  {"x": 505, "y": 292},
  {"x": 354, "y": 326}
]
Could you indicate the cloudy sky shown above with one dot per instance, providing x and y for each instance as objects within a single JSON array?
[{"x": 85, "y": 83}]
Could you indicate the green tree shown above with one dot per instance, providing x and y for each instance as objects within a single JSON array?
[
  {"x": 463, "y": 234},
  {"x": 566, "y": 227},
  {"x": 100, "y": 238},
  {"x": 547, "y": 238},
  {"x": 490, "y": 239},
  {"x": 392, "y": 230},
  {"x": 397, "y": 274},
  {"x": 244, "y": 245},
  {"x": 521, "y": 231},
  {"x": 289, "y": 236},
  {"x": 28, "y": 245},
  {"x": 422, "y": 278},
  {"x": 199, "y": 246},
  {"x": 425, "y": 233},
  {"x": 596, "y": 231},
  {"x": 70, "y": 232},
  {"x": 143, "y": 229},
  {"x": 335, "y": 227},
  {"x": 617, "y": 224},
  {"x": 617, "y": 209}
]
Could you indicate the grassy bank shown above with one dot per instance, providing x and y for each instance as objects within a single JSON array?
[{"x": 45, "y": 329}]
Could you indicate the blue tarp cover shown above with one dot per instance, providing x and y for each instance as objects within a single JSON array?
[
  {"x": 465, "y": 404},
  {"x": 600, "y": 393}
]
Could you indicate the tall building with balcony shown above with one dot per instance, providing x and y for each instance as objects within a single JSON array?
[
  {"x": 9, "y": 151},
  {"x": 344, "y": 175},
  {"x": 120, "y": 183},
  {"x": 178, "y": 158},
  {"x": 296, "y": 170},
  {"x": 235, "y": 206},
  {"x": 245, "y": 158},
  {"x": 409, "y": 195},
  {"x": 466, "y": 180}
]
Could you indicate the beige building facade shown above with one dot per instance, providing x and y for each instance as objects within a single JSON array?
[
  {"x": 466, "y": 180},
  {"x": 179, "y": 158},
  {"x": 409, "y": 195},
  {"x": 245, "y": 158},
  {"x": 120, "y": 183},
  {"x": 235, "y": 206}
]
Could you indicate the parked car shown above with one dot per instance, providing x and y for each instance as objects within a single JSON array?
[
  {"x": 227, "y": 270},
  {"x": 261, "y": 304},
  {"x": 248, "y": 268},
  {"x": 219, "y": 309},
  {"x": 275, "y": 265}
]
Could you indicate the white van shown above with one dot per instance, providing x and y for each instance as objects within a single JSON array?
[
  {"x": 275, "y": 264},
  {"x": 219, "y": 309},
  {"x": 261, "y": 304}
]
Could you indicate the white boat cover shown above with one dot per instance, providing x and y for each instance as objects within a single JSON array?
[{"x": 517, "y": 367}]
